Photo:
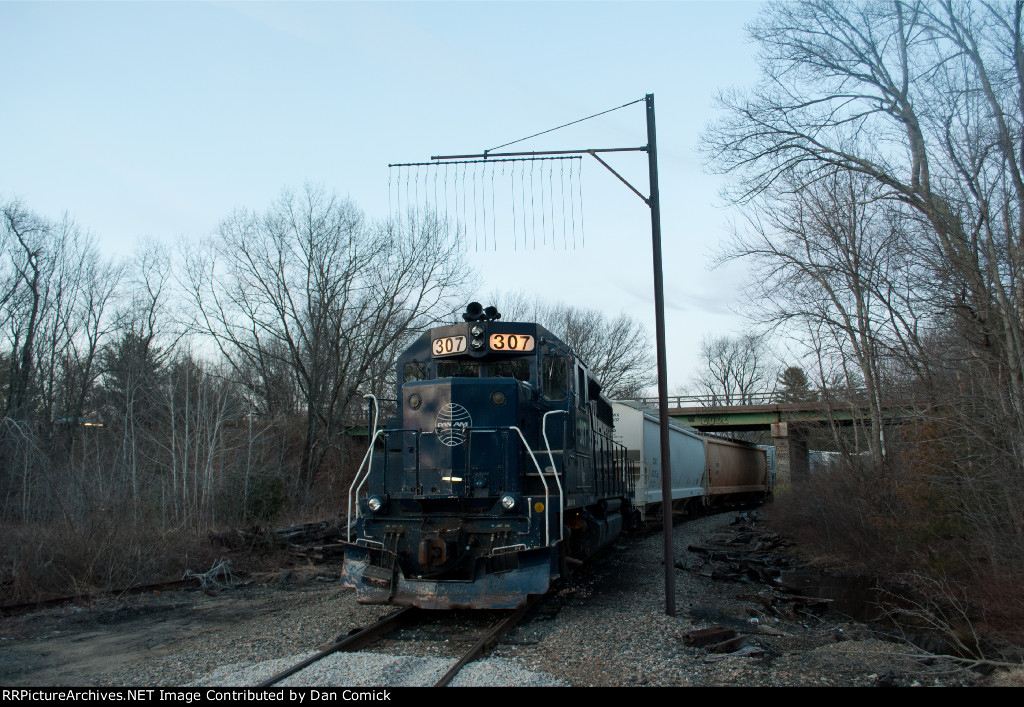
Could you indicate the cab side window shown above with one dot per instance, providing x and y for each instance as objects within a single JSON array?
[
  {"x": 414, "y": 371},
  {"x": 554, "y": 378},
  {"x": 581, "y": 387}
]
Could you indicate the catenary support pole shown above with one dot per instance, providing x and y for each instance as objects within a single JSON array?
[
  {"x": 659, "y": 335},
  {"x": 654, "y": 202}
]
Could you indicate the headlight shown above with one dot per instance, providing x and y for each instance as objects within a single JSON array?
[
  {"x": 476, "y": 331},
  {"x": 374, "y": 503},
  {"x": 498, "y": 398},
  {"x": 415, "y": 400},
  {"x": 508, "y": 502},
  {"x": 478, "y": 344}
]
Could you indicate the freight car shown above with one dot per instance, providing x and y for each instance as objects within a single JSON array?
[
  {"x": 706, "y": 471},
  {"x": 498, "y": 470}
]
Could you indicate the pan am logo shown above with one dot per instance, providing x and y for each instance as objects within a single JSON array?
[{"x": 452, "y": 422}]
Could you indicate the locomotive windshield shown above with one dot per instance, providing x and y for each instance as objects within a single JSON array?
[
  {"x": 518, "y": 368},
  {"x": 461, "y": 368},
  {"x": 458, "y": 369}
]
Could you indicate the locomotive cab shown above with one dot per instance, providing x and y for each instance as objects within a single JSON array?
[{"x": 495, "y": 469}]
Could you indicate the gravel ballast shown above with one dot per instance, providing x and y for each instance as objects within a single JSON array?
[{"x": 606, "y": 627}]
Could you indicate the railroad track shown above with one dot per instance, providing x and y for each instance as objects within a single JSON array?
[{"x": 411, "y": 617}]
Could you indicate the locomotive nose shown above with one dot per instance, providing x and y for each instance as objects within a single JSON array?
[
  {"x": 464, "y": 446},
  {"x": 442, "y": 407}
]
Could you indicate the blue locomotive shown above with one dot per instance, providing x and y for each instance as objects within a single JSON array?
[{"x": 498, "y": 470}]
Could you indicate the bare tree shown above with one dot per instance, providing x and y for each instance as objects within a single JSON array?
[
  {"x": 922, "y": 99},
  {"x": 832, "y": 258},
  {"x": 309, "y": 288},
  {"x": 733, "y": 369},
  {"x": 28, "y": 264},
  {"x": 134, "y": 368},
  {"x": 200, "y": 408},
  {"x": 56, "y": 293},
  {"x": 917, "y": 106},
  {"x": 617, "y": 349}
]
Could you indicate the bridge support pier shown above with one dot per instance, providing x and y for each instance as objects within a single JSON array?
[{"x": 792, "y": 463}]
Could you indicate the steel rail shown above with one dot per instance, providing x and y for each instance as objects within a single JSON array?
[
  {"x": 490, "y": 639},
  {"x": 349, "y": 643},
  {"x": 388, "y": 623}
]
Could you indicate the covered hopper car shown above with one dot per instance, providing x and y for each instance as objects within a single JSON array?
[{"x": 706, "y": 471}]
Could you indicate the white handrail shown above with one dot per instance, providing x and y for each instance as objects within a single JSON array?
[
  {"x": 547, "y": 526},
  {"x": 551, "y": 457},
  {"x": 533, "y": 458},
  {"x": 376, "y": 410},
  {"x": 369, "y": 454}
]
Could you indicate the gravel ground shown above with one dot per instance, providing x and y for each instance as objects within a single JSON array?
[{"x": 607, "y": 627}]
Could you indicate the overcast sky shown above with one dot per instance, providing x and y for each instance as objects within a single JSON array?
[{"x": 157, "y": 120}]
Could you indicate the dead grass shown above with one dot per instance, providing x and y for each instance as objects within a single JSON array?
[
  {"x": 895, "y": 524},
  {"x": 104, "y": 552},
  {"x": 1013, "y": 677},
  {"x": 101, "y": 553}
]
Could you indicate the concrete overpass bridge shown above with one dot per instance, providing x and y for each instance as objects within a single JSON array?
[{"x": 789, "y": 423}]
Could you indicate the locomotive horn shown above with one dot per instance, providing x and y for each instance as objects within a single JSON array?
[
  {"x": 491, "y": 313},
  {"x": 474, "y": 312}
]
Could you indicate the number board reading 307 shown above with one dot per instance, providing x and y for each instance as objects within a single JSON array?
[
  {"x": 451, "y": 345},
  {"x": 448, "y": 345},
  {"x": 511, "y": 342}
]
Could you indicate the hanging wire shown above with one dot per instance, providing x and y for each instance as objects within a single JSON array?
[
  {"x": 455, "y": 189},
  {"x": 465, "y": 222},
  {"x": 408, "y": 172},
  {"x": 572, "y": 208},
  {"x": 522, "y": 193},
  {"x": 533, "y": 210},
  {"x": 543, "y": 211},
  {"x": 390, "y": 212},
  {"x": 561, "y": 184},
  {"x": 545, "y": 132},
  {"x": 476, "y": 231},
  {"x": 398, "y": 196},
  {"x": 483, "y": 200},
  {"x": 512, "y": 184},
  {"x": 579, "y": 185},
  {"x": 486, "y": 217},
  {"x": 416, "y": 197},
  {"x": 551, "y": 203}
]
